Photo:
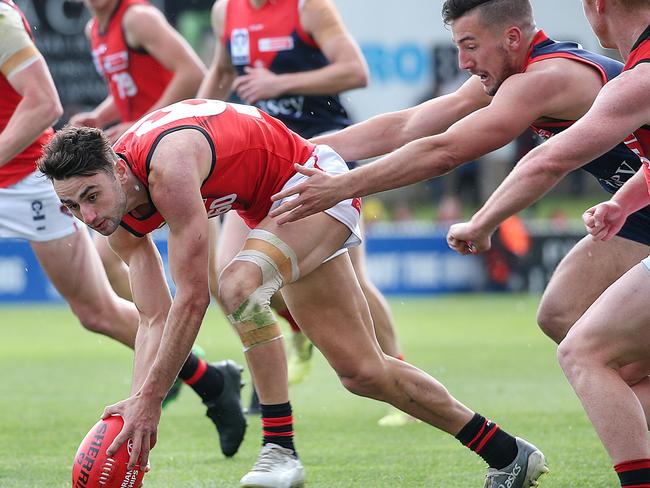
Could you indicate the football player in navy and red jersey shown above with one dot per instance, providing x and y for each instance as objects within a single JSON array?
[
  {"x": 292, "y": 59},
  {"x": 147, "y": 65},
  {"x": 605, "y": 354},
  {"x": 200, "y": 158},
  {"x": 521, "y": 79}
]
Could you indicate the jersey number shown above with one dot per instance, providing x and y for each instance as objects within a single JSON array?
[
  {"x": 221, "y": 205},
  {"x": 188, "y": 109}
]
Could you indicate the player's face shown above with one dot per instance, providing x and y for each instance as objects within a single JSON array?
[
  {"x": 98, "y": 200},
  {"x": 482, "y": 51}
]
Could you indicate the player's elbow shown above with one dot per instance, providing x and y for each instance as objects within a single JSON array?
[
  {"x": 360, "y": 76},
  {"x": 50, "y": 111}
]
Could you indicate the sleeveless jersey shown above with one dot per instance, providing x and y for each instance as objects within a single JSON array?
[
  {"x": 272, "y": 37},
  {"x": 25, "y": 162},
  {"x": 252, "y": 156},
  {"x": 135, "y": 79},
  {"x": 639, "y": 142},
  {"x": 618, "y": 165}
]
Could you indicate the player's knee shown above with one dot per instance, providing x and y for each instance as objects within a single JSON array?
[
  {"x": 573, "y": 357},
  {"x": 363, "y": 378},
  {"x": 553, "y": 322},
  {"x": 92, "y": 319},
  {"x": 236, "y": 283}
]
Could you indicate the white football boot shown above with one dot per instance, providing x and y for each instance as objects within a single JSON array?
[{"x": 276, "y": 467}]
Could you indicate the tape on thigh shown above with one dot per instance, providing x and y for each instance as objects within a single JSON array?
[{"x": 254, "y": 319}]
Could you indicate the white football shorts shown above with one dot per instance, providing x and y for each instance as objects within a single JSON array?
[
  {"x": 31, "y": 210},
  {"x": 348, "y": 211}
]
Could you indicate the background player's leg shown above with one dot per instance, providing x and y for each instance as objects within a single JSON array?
[
  {"x": 116, "y": 270},
  {"x": 581, "y": 277},
  {"x": 76, "y": 271}
]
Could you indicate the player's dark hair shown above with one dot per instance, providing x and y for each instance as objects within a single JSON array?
[
  {"x": 76, "y": 151},
  {"x": 492, "y": 12}
]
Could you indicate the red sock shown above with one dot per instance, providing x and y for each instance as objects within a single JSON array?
[
  {"x": 634, "y": 473},
  {"x": 286, "y": 315}
]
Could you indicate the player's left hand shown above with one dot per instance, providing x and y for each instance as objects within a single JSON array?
[
  {"x": 114, "y": 132},
  {"x": 465, "y": 238},
  {"x": 320, "y": 192},
  {"x": 141, "y": 417},
  {"x": 257, "y": 84}
]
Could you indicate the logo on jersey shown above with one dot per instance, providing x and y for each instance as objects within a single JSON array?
[
  {"x": 634, "y": 145},
  {"x": 219, "y": 206},
  {"x": 275, "y": 44},
  {"x": 283, "y": 107},
  {"x": 240, "y": 47}
]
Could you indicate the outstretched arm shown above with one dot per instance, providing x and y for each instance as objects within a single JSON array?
[
  {"x": 621, "y": 107},
  {"x": 384, "y": 133},
  {"x": 485, "y": 130}
]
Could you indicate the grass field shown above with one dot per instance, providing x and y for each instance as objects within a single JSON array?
[{"x": 56, "y": 379}]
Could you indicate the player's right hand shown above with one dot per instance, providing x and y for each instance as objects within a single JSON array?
[
  {"x": 604, "y": 221},
  {"x": 85, "y": 119},
  {"x": 320, "y": 192}
]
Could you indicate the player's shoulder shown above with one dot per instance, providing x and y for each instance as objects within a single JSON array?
[
  {"x": 10, "y": 17},
  {"x": 141, "y": 14}
]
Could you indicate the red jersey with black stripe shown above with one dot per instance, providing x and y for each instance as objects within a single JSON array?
[
  {"x": 639, "y": 142},
  {"x": 252, "y": 156},
  {"x": 25, "y": 162},
  {"x": 135, "y": 79},
  {"x": 272, "y": 37}
]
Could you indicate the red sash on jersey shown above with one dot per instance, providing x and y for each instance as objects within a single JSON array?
[
  {"x": 639, "y": 142},
  {"x": 25, "y": 162},
  {"x": 135, "y": 79},
  {"x": 253, "y": 156}
]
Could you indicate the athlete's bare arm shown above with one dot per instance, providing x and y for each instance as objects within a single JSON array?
[
  {"x": 620, "y": 108},
  {"x": 150, "y": 293},
  {"x": 217, "y": 83},
  {"x": 386, "y": 132},
  {"x": 105, "y": 114},
  {"x": 27, "y": 73},
  {"x": 145, "y": 27},
  {"x": 511, "y": 111},
  {"x": 178, "y": 167}
]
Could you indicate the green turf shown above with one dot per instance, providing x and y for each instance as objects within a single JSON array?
[{"x": 56, "y": 379}]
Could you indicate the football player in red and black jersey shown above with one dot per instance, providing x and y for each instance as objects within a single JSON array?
[{"x": 200, "y": 158}]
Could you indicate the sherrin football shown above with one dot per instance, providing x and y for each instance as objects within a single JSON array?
[{"x": 93, "y": 469}]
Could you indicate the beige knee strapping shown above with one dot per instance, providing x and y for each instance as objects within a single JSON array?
[{"x": 254, "y": 320}]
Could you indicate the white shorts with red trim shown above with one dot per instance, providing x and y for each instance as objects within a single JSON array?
[
  {"x": 348, "y": 211},
  {"x": 31, "y": 210}
]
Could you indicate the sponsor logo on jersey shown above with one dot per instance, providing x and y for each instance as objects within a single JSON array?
[
  {"x": 275, "y": 44},
  {"x": 284, "y": 107}
]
